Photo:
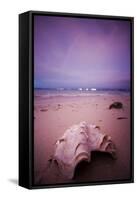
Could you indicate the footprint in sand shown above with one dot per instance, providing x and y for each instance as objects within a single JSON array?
[
  {"x": 74, "y": 111},
  {"x": 59, "y": 106},
  {"x": 122, "y": 118},
  {"x": 44, "y": 110}
]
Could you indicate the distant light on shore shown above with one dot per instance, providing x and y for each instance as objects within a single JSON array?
[
  {"x": 93, "y": 89},
  {"x": 87, "y": 89}
]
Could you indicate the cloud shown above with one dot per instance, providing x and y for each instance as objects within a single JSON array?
[{"x": 81, "y": 52}]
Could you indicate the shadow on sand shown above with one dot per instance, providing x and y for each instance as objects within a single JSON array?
[{"x": 14, "y": 181}]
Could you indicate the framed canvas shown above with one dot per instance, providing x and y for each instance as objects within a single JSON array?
[{"x": 76, "y": 101}]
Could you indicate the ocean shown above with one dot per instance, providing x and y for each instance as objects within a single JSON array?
[{"x": 77, "y": 92}]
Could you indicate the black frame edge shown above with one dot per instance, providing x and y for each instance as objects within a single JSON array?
[
  {"x": 24, "y": 133},
  {"x": 67, "y": 14}
]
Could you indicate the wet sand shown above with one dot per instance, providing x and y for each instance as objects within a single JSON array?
[{"x": 54, "y": 115}]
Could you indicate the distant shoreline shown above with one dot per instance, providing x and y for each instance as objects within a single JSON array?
[
  {"x": 47, "y": 93},
  {"x": 84, "y": 89}
]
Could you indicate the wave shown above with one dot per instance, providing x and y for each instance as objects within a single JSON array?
[{"x": 51, "y": 94}]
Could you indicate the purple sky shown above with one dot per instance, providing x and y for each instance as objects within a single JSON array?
[{"x": 76, "y": 52}]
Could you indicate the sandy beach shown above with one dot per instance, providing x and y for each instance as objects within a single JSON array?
[{"x": 52, "y": 116}]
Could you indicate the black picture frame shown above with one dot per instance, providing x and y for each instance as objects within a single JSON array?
[{"x": 26, "y": 98}]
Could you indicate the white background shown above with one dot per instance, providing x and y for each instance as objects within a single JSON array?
[{"x": 9, "y": 10}]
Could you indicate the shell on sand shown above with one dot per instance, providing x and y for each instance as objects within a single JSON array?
[{"x": 77, "y": 144}]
